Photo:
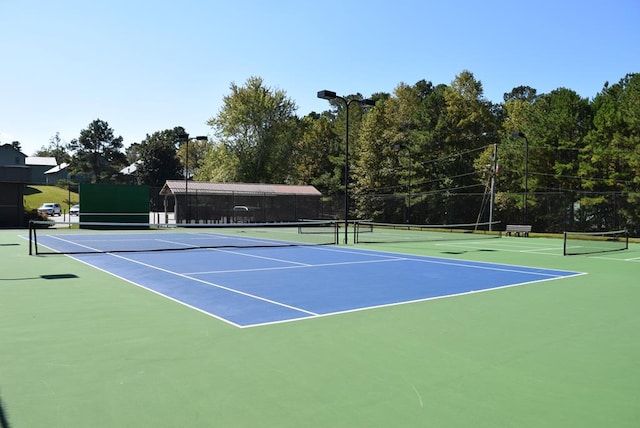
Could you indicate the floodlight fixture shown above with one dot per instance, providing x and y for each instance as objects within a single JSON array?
[
  {"x": 330, "y": 95},
  {"x": 327, "y": 95}
]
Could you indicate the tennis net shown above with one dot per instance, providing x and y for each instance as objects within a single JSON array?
[
  {"x": 99, "y": 237},
  {"x": 576, "y": 243},
  {"x": 375, "y": 232}
]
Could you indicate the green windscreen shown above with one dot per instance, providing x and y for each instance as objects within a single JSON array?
[{"x": 114, "y": 203}]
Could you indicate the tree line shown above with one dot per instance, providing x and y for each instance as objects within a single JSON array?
[{"x": 424, "y": 153}]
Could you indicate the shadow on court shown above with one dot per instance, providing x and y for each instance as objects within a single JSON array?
[
  {"x": 467, "y": 251},
  {"x": 4, "y": 422},
  {"x": 52, "y": 276}
]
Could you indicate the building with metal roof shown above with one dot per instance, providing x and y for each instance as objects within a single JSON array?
[
  {"x": 39, "y": 166},
  {"x": 14, "y": 175},
  {"x": 206, "y": 202}
]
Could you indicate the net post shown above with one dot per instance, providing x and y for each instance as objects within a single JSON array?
[
  {"x": 30, "y": 237},
  {"x": 356, "y": 226},
  {"x": 626, "y": 235},
  {"x": 576, "y": 243},
  {"x": 33, "y": 238}
]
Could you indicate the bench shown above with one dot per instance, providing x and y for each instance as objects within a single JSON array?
[{"x": 518, "y": 229}]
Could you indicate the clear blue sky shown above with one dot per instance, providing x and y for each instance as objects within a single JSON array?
[{"x": 146, "y": 66}]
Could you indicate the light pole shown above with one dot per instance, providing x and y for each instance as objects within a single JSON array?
[
  {"x": 526, "y": 170},
  {"x": 185, "y": 138},
  {"x": 330, "y": 95},
  {"x": 494, "y": 170},
  {"x": 398, "y": 147}
]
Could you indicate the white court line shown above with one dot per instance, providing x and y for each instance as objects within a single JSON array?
[
  {"x": 222, "y": 287},
  {"x": 408, "y": 302},
  {"x": 444, "y": 260},
  {"x": 438, "y": 259},
  {"x": 255, "y": 256},
  {"x": 631, "y": 259},
  {"x": 428, "y": 259},
  {"x": 173, "y": 299},
  {"x": 385, "y": 257},
  {"x": 542, "y": 251},
  {"x": 297, "y": 267},
  {"x": 359, "y": 251},
  {"x": 86, "y": 247},
  {"x": 213, "y": 284},
  {"x": 515, "y": 269}
]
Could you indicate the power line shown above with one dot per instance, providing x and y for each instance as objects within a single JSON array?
[
  {"x": 455, "y": 155},
  {"x": 572, "y": 177}
]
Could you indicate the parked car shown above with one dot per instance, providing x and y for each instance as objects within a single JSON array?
[
  {"x": 74, "y": 210},
  {"x": 50, "y": 208}
]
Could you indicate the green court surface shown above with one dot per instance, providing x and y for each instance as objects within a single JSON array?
[{"x": 82, "y": 348}]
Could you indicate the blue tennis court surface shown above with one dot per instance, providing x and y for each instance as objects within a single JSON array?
[{"x": 255, "y": 286}]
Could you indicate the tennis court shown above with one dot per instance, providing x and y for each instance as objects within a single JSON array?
[
  {"x": 259, "y": 281},
  {"x": 394, "y": 334}
]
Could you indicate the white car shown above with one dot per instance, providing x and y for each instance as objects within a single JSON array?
[
  {"x": 50, "y": 208},
  {"x": 74, "y": 210}
]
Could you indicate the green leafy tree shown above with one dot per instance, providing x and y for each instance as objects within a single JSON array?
[
  {"x": 517, "y": 109},
  {"x": 376, "y": 168},
  {"x": 97, "y": 153},
  {"x": 559, "y": 122},
  {"x": 334, "y": 177},
  {"x": 466, "y": 128},
  {"x": 469, "y": 114},
  {"x": 57, "y": 149},
  {"x": 522, "y": 93},
  {"x": 387, "y": 150},
  {"x": 218, "y": 164},
  {"x": 610, "y": 161},
  {"x": 314, "y": 151},
  {"x": 132, "y": 153},
  {"x": 258, "y": 126},
  {"x": 195, "y": 157},
  {"x": 157, "y": 158}
]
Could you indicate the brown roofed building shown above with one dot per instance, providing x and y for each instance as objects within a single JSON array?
[{"x": 239, "y": 202}]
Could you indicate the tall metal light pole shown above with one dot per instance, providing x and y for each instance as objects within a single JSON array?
[
  {"x": 494, "y": 171},
  {"x": 185, "y": 138},
  {"x": 526, "y": 170},
  {"x": 330, "y": 95},
  {"x": 409, "y": 172}
]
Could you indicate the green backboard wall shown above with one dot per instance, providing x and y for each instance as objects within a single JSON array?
[{"x": 114, "y": 203}]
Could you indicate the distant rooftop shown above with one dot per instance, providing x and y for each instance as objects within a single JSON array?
[
  {"x": 178, "y": 187},
  {"x": 40, "y": 160},
  {"x": 128, "y": 170},
  {"x": 57, "y": 168}
]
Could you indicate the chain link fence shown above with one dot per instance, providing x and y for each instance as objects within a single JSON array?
[{"x": 547, "y": 212}]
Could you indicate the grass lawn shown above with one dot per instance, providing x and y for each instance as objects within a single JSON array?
[{"x": 34, "y": 196}]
